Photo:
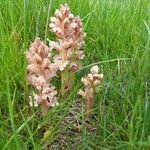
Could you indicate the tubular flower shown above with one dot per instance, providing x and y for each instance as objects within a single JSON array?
[
  {"x": 40, "y": 73},
  {"x": 69, "y": 32},
  {"x": 91, "y": 81}
]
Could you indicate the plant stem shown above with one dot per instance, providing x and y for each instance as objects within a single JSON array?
[
  {"x": 44, "y": 109},
  {"x": 89, "y": 106},
  {"x": 67, "y": 81}
]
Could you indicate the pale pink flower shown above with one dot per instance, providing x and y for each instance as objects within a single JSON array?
[
  {"x": 91, "y": 81},
  {"x": 94, "y": 69},
  {"x": 37, "y": 81},
  {"x": 49, "y": 96},
  {"x": 60, "y": 62},
  {"x": 80, "y": 54},
  {"x": 36, "y": 101},
  {"x": 75, "y": 66},
  {"x": 38, "y": 59}
]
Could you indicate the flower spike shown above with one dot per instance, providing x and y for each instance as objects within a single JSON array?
[
  {"x": 91, "y": 82},
  {"x": 40, "y": 73}
]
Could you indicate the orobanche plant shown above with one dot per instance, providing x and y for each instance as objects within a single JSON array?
[
  {"x": 43, "y": 66},
  {"x": 70, "y": 39},
  {"x": 91, "y": 82},
  {"x": 41, "y": 71}
]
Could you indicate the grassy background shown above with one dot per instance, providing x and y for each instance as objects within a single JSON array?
[{"x": 116, "y": 30}]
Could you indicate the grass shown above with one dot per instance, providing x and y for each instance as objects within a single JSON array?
[{"x": 118, "y": 37}]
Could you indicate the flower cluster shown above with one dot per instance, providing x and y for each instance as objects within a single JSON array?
[
  {"x": 42, "y": 67},
  {"x": 70, "y": 35},
  {"x": 91, "y": 81},
  {"x": 41, "y": 71}
]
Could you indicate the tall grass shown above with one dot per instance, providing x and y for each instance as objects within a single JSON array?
[{"x": 118, "y": 37}]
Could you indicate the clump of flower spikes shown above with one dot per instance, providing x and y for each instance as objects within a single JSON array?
[
  {"x": 91, "y": 82},
  {"x": 41, "y": 71},
  {"x": 70, "y": 35}
]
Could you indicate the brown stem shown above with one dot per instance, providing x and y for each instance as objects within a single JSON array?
[
  {"x": 71, "y": 79},
  {"x": 67, "y": 78},
  {"x": 44, "y": 109},
  {"x": 89, "y": 105},
  {"x": 46, "y": 132}
]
